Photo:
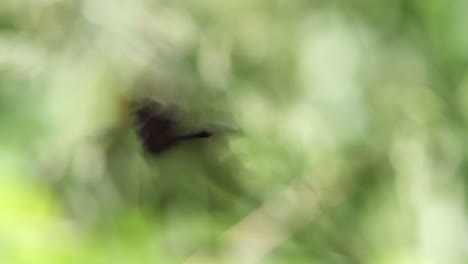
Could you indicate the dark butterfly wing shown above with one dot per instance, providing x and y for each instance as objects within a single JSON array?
[{"x": 154, "y": 128}]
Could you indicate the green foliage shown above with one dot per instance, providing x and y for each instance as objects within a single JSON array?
[{"x": 352, "y": 143}]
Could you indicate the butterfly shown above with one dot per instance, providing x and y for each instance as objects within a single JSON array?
[{"x": 157, "y": 126}]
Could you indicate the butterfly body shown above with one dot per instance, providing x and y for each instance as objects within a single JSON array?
[{"x": 158, "y": 129}]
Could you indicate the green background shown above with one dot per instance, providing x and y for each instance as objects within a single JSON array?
[{"x": 352, "y": 143}]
